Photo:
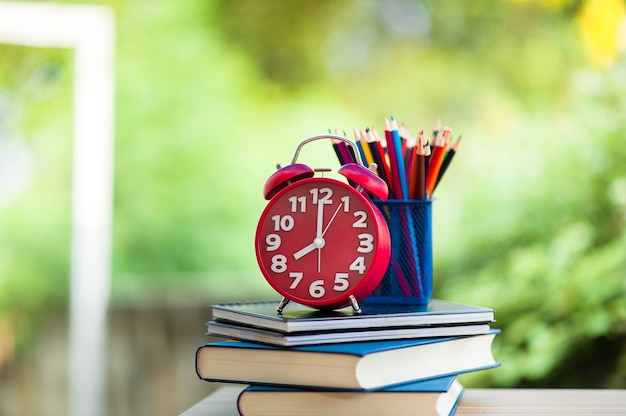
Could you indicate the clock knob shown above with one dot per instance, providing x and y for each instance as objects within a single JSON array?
[
  {"x": 365, "y": 178},
  {"x": 284, "y": 176}
]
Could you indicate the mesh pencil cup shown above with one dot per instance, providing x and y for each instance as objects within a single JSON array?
[{"x": 409, "y": 276}]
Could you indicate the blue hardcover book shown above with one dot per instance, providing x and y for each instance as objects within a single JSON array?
[
  {"x": 354, "y": 366},
  {"x": 438, "y": 396}
]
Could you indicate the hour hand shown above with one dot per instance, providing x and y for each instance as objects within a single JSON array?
[{"x": 317, "y": 243}]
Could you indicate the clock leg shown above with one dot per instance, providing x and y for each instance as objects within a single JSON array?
[
  {"x": 355, "y": 304},
  {"x": 282, "y": 304}
]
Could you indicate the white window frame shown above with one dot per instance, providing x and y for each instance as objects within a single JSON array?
[{"x": 90, "y": 31}]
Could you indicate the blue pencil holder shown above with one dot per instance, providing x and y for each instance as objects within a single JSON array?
[{"x": 409, "y": 276}]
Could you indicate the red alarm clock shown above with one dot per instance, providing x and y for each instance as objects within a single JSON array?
[{"x": 320, "y": 241}]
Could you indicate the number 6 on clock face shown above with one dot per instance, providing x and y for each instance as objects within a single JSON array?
[{"x": 319, "y": 242}]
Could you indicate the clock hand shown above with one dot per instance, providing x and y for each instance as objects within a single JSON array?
[
  {"x": 320, "y": 217},
  {"x": 304, "y": 251},
  {"x": 320, "y": 220},
  {"x": 317, "y": 243},
  {"x": 332, "y": 218},
  {"x": 320, "y": 233},
  {"x": 319, "y": 260}
]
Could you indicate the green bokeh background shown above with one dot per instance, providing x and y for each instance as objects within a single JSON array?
[{"x": 210, "y": 95}]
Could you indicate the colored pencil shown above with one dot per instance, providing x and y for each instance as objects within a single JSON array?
[
  {"x": 400, "y": 144},
  {"x": 419, "y": 190},
  {"x": 378, "y": 157},
  {"x": 359, "y": 145},
  {"x": 343, "y": 151},
  {"x": 384, "y": 156},
  {"x": 393, "y": 161},
  {"x": 447, "y": 159},
  {"x": 409, "y": 162},
  {"x": 394, "y": 149},
  {"x": 412, "y": 166},
  {"x": 439, "y": 147}
]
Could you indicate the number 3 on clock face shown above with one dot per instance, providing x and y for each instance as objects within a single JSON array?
[{"x": 319, "y": 241}]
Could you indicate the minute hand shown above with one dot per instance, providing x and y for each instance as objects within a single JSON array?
[
  {"x": 318, "y": 236},
  {"x": 332, "y": 218},
  {"x": 320, "y": 218}
]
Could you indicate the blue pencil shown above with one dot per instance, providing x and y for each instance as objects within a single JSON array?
[{"x": 397, "y": 144}]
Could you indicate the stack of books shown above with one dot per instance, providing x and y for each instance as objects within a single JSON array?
[{"x": 389, "y": 359}]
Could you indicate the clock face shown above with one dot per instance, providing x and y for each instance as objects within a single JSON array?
[{"x": 319, "y": 241}]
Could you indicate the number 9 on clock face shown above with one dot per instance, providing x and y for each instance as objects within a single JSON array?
[{"x": 319, "y": 241}]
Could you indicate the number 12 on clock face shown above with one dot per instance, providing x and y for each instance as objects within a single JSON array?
[{"x": 319, "y": 241}]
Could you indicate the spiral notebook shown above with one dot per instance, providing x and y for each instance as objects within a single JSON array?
[{"x": 302, "y": 325}]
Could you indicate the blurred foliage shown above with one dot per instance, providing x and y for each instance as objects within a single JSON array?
[
  {"x": 212, "y": 94},
  {"x": 34, "y": 191}
]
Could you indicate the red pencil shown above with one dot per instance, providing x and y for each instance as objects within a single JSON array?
[
  {"x": 380, "y": 147},
  {"x": 419, "y": 188},
  {"x": 439, "y": 148},
  {"x": 343, "y": 152},
  {"x": 396, "y": 158}
]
